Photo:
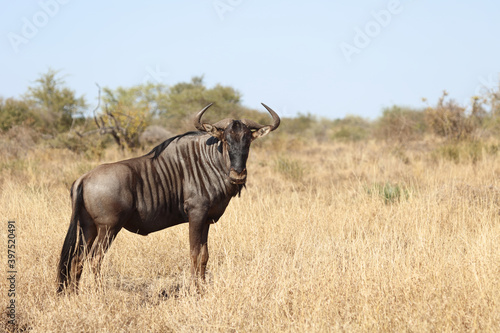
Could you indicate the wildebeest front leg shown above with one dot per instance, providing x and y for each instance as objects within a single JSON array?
[
  {"x": 203, "y": 256},
  {"x": 198, "y": 239}
]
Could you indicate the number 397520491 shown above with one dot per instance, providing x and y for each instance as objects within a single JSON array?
[{"x": 11, "y": 245}]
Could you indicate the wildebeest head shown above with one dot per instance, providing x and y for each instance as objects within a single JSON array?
[{"x": 236, "y": 137}]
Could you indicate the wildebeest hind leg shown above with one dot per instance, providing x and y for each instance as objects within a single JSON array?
[
  {"x": 87, "y": 235},
  {"x": 105, "y": 237}
]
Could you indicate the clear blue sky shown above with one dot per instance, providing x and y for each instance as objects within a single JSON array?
[{"x": 330, "y": 58}]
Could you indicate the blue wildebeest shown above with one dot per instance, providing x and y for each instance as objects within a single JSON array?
[{"x": 188, "y": 178}]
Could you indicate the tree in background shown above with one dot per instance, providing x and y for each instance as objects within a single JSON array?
[
  {"x": 125, "y": 113},
  {"x": 53, "y": 104},
  {"x": 400, "y": 124},
  {"x": 449, "y": 120},
  {"x": 491, "y": 116},
  {"x": 494, "y": 101},
  {"x": 15, "y": 112},
  {"x": 185, "y": 98},
  {"x": 350, "y": 128}
]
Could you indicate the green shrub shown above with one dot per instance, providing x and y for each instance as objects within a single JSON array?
[
  {"x": 15, "y": 112},
  {"x": 351, "y": 128},
  {"x": 90, "y": 147},
  {"x": 388, "y": 192}
]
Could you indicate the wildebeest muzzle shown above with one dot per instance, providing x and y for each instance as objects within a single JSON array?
[{"x": 238, "y": 178}]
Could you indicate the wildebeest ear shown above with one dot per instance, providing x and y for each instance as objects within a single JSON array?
[
  {"x": 214, "y": 131},
  {"x": 261, "y": 132}
]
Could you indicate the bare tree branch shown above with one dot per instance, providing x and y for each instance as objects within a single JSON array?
[{"x": 98, "y": 104}]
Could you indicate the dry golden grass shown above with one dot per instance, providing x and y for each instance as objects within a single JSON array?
[{"x": 313, "y": 245}]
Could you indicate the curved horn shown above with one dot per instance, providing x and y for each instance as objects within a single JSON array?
[
  {"x": 254, "y": 125},
  {"x": 276, "y": 118},
  {"x": 197, "y": 118}
]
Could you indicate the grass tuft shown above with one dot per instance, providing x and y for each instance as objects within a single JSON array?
[
  {"x": 292, "y": 169},
  {"x": 389, "y": 192}
]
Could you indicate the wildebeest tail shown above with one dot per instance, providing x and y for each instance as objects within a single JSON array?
[{"x": 70, "y": 246}]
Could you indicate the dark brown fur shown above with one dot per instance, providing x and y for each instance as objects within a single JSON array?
[{"x": 188, "y": 178}]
